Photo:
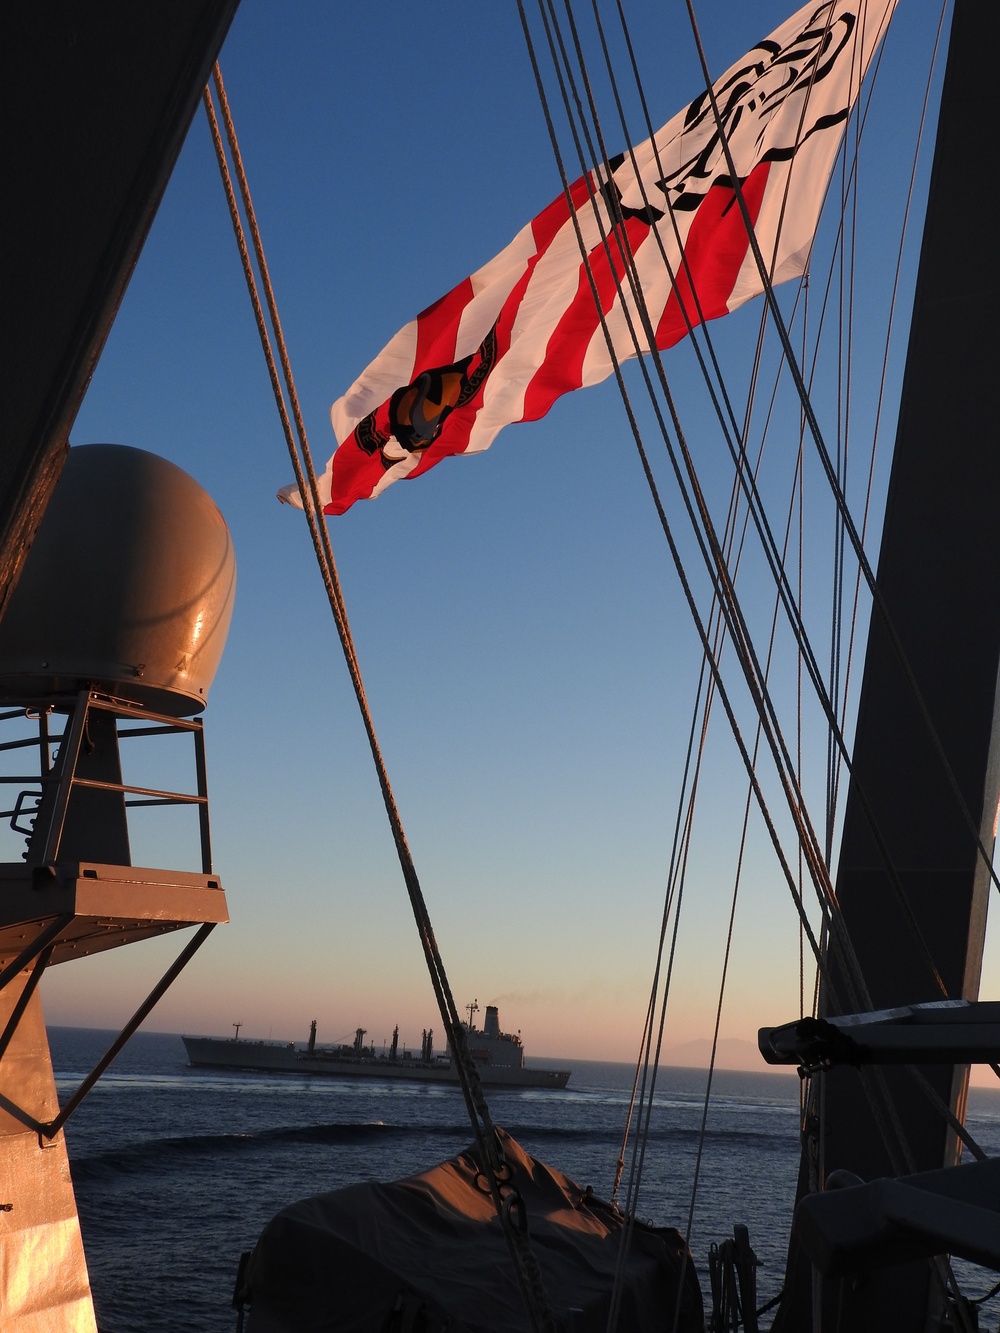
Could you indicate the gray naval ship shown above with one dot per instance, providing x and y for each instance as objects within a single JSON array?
[{"x": 499, "y": 1057}]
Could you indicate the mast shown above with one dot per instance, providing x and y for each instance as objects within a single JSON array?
[{"x": 939, "y": 579}]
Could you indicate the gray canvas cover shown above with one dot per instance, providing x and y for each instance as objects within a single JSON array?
[{"x": 427, "y": 1253}]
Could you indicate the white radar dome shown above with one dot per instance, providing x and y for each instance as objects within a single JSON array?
[{"x": 128, "y": 587}]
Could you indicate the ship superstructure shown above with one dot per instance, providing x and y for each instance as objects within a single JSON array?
[{"x": 499, "y": 1057}]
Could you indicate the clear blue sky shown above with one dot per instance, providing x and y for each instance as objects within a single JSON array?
[{"x": 529, "y": 659}]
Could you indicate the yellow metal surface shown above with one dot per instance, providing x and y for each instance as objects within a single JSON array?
[{"x": 44, "y": 1287}]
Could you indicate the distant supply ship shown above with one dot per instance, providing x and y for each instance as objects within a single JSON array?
[{"x": 499, "y": 1057}]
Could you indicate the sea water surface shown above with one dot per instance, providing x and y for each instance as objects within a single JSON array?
[{"x": 177, "y": 1170}]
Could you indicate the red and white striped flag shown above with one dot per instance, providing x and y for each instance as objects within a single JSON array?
[{"x": 504, "y": 344}]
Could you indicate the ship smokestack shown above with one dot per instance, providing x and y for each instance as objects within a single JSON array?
[
  {"x": 491, "y": 1028},
  {"x": 395, "y": 1042},
  {"x": 312, "y": 1036}
]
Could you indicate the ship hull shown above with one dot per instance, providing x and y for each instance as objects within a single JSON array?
[{"x": 265, "y": 1057}]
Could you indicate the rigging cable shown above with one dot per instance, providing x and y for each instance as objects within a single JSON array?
[
  {"x": 908, "y": 912},
  {"x": 732, "y": 914},
  {"x": 694, "y": 340},
  {"x": 830, "y": 472},
  {"x": 715, "y": 567},
  {"x": 796, "y": 808},
  {"x": 709, "y": 657},
  {"x": 944, "y": 1269},
  {"x": 776, "y": 563},
  {"x": 832, "y": 718},
  {"x": 876, "y": 1075},
  {"x": 487, "y": 1141},
  {"x": 708, "y": 542},
  {"x": 684, "y": 584},
  {"x": 728, "y": 589},
  {"x": 800, "y": 564},
  {"x": 686, "y": 798},
  {"x": 729, "y": 539}
]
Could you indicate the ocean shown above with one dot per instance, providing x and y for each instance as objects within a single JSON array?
[{"x": 177, "y": 1170}]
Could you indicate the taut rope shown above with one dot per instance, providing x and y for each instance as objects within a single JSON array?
[{"x": 487, "y": 1141}]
